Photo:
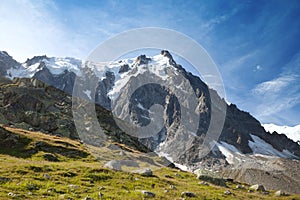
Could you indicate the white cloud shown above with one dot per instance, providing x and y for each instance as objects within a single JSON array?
[
  {"x": 274, "y": 87},
  {"x": 30, "y": 27},
  {"x": 278, "y": 95},
  {"x": 240, "y": 61}
]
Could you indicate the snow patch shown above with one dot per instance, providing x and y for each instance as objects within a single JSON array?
[
  {"x": 259, "y": 146},
  {"x": 167, "y": 156},
  {"x": 292, "y": 132},
  {"x": 59, "y": 65},
  {"x": 56, "y": 66},
  {"x": 230, "y": 152},
  {"x": 157, "y": 65}
]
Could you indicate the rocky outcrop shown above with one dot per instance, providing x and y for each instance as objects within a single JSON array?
[
  {"x": 6, "y": 62},
  {"x": 33, "y": 105},
  {"x": 64, "y": 82}
]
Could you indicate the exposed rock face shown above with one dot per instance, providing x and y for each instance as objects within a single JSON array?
[
  {"x": 274, "y": 173},
  {"x": 64, "y": 82},
  {"x": 6, "y": 62},
  {"x": 32, "y": 104},
  {"x": 42, "y": 108}
]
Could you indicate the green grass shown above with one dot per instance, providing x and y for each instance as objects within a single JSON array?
[{"x": 31, "y": 177}]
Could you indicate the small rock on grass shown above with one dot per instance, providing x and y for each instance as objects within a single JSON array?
[
  {"x": 71, "y": 186},
  {"x": 188, "y": 194},
  {"x": 173, "y": 187},
  {"x": 279, "y": 193},
  {"x": 148, "y": 194},
  {"x": 11, "y": 194},
  {"x": 47, "y": 176},
  {"x": 144, "y": 172},
  {"x": 258, "y": 187},
  {"x": 239, "y": 186},
  {"x": 227, "y": 192},
  {"x": 113, "y": 164}
]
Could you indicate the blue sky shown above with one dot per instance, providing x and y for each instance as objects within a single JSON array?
[{"x": 255, "y": 44}]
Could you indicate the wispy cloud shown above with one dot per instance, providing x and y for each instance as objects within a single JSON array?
[
  {"x": 275, "y": 87},
  {"x": 32, "y": 27},
  {"x": 279, "y": 94},
  {"x": 26, "y": 25}
]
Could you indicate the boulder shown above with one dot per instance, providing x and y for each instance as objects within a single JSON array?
[
  {"x": 239, "y": 186},
  {"x": 148, "y": 194},
  {"x": 258, "y": 187},
  {"x": 188, "y": 194},
  {"x": 47, "y": 176},
  {"x": 279, "y": 193},
  {"x": 113, "y": 164},
  {"x": 227, "y": 192},
  {"x": 144, "y": 172}
]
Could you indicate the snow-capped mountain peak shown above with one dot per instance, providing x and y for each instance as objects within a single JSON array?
[
  {"x": 292, "y": 132},
  {"x": 55, "y": 65}
]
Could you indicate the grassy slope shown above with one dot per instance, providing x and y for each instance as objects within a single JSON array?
[{"x": 78, "y": 174}]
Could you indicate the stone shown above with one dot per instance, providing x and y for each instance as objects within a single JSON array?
[
  {"x": 51, "y": 190},
  {"x": 203, "y": 183},
  {"x": 113, "y": 164},
  {"x": 122, "y": 153},
  {"x": 227, "y": 192},
  {"x": 71, "y": 186},
  {"x": 265, "y": 192},
  {"x": 11, "y": 194},
  {"x": 47, "y": 176},
  {"x": 279, "y": 193},
  {"x": 239, "y": 186},
  {"x": 144, "y": 172},
  {"x": 148, "y": 194},
  {"x": 258, "y": 187},
  {"x": 188, "y": 194},
  {"x": 101, "y": 188},
  {"x": 172, "y": 187}
]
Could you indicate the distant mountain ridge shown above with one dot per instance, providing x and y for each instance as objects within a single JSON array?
[
  {"x": 243, "y": 143},
  {"x": 292, "y": 132}
]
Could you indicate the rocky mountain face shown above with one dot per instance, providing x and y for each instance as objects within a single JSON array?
[
  {"x": 134, "y": 91},
  {"x": 30, "y": 104},
  {"x": 6, "y": 62}
]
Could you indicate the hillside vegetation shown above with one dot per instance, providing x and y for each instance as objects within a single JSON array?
[{"x": 39, "y": 166}]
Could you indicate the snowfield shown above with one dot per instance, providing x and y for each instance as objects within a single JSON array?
[{"x": 292, "y": 132}]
